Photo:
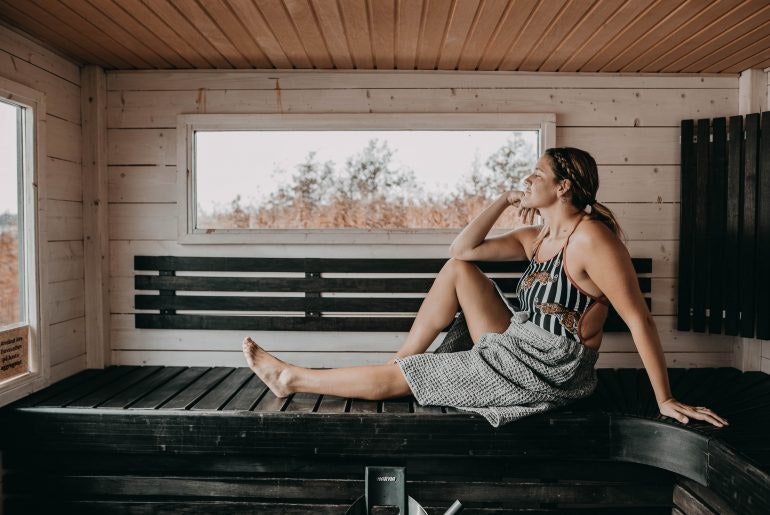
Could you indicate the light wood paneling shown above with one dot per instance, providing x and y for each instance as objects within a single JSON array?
[
  {"x": 62, "y": 96},
  {"x": 63, "y": 140},
  {"x": 327, "y": 80},
  {"x": 32, "y": 64},
  {"x": 65, "y": 260},
  {"x": 575, "y": 107},
  {"x": 43, "y": 58},
  {"x": 70, "y": 340},
  {"x": 621, "y": 183},
  {"x": 65, "y": 220},
  {"x": 348, "y": 359},
  {"x": 629, "y": 123},
  {"x": 66, "y": 301},
  {"x": 126, "y": 337},
  {"x": 663, "y": 253},
  {"x": 64, "y": 180}
]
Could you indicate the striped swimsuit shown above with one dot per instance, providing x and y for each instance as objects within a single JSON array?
[{"x": 553, "y": 301}]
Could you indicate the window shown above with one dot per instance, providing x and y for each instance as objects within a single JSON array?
[
  {"x": 349, "y": 178},
  {"x": 19, "y": 313}
]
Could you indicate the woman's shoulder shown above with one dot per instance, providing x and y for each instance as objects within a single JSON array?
[{"x": 591, "y": 232}]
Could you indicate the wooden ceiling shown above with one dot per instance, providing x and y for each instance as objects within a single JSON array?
[{"x": 677, "y": 36}]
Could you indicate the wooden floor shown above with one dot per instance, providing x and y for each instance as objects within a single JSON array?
[{"x": 130, "y": 412}]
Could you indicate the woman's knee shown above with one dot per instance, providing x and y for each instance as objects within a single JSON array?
[{"x": 459, "y": 268}]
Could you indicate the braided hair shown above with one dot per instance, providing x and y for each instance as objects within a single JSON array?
[{"x": 580, "y": 168}]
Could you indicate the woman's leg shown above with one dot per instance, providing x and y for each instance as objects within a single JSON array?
[
  {"x": 458, "y": 284},
  {"x": 364, "y": 382}
]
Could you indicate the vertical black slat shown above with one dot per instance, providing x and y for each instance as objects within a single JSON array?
[
  {"x": 716, "y": 227},
  {"x": 683, "y": 321},
  {"x": 700, "y": 247},
  {"x": 763, "y": 230},
  {"x": 312, "y": 294},
  {"x": 749, "y": 232},
  {"x": 733, "y": 223},
  {"x": 167, "y": 292}
]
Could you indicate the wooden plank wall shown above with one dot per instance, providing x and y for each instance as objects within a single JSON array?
[
  {"x": 629, "y": 123},
  {"x": 24, "y": 61}
]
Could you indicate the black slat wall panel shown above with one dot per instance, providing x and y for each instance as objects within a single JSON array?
[
  {"x": 716, "y": 226},
  {"x": 725, "y": 226},
  {"x": 700, "y": 247},
  {"x": 763, "y": 234},
  {"x": 749, "y": 232},
  {"x": 311, "y": 311},
  {"x": 686, "y": 226},
  {"x": 733, "y": 221}
]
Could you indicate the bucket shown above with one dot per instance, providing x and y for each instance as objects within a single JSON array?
[{"x": 386, "y": 486}]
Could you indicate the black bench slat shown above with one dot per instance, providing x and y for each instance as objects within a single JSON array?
[
  {"x": 303, "y": 402},
  {"x": 222, "y": 392},
  {"x": 363, "y": 406},
  {"x": 694, "y": 384},
  {"x": 198, "y": 388},
  {"x": 94, "y": 384},
  {"x": 167, "y": 390},
  {"x": 248, "y": 396},
  {"x": 133, "y": 393},
  {"x": 300, "y": 284},
  {"x": 325, "y": 304},
  {"x": 57, "y": 388},
  {"x": 95, "y": 398},
  {"x": 292, "y": 323},
  {"x": 430, "y": 410},
  {"x": 328, "y": 265},
  {"x": 269, "y": 402},
  {"x": 609, "y": 384},
  {"x": 396, "y": 405},
  {"x": 332, "y": 404}
]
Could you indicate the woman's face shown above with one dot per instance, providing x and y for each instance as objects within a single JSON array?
[{"x": 540, "y": 185}]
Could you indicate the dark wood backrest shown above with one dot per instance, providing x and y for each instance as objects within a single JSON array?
[{"x": 303, "y": 294}]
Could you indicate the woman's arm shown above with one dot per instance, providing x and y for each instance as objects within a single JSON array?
[
  {"x": 471, "y": 245},
  {"x": 608, "y": 264}
]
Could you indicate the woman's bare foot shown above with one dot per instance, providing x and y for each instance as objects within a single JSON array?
[{"x": 271, "y": 370}]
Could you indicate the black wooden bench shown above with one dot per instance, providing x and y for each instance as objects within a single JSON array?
[{"x": 199, "y": 439}]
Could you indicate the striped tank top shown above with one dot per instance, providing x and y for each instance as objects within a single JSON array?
[{"x": 553, "y": 301}]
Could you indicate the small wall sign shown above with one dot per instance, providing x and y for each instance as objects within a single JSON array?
[{"x": 13, "y": 352}]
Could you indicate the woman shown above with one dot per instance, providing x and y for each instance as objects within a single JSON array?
[{"x": 517, "y": 362}]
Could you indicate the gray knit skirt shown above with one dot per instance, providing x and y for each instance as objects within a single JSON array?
[{"x": 504, "y": 376}]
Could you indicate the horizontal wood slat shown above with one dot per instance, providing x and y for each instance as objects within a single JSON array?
[
  {"x": 606, "y": 36},
  {"x": 328, "y": 265}
]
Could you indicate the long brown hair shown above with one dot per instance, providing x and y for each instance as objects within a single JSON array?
[{"x": 580, "y": 168}]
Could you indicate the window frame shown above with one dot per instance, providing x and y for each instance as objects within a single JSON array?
[
  {"x": 34, "y": 159},
  {"x": 187, "y": 125}
]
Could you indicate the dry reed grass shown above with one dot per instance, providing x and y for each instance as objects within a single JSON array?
[
  {"x": 378, "y": 213},
  {"x": 9, "y": 278}
]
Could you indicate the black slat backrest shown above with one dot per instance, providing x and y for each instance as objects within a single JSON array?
[
  {"x": 724, "y": 232},
  {"x": 302, "y": 294}
]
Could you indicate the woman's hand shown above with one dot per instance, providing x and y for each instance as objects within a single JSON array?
[
  {"x": 681, "y": 412},
  {"x": 525, "y": 214}
]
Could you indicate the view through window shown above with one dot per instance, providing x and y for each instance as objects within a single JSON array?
[
  {"x": 11, "y": 277},
  {"x": 14, "y": 329},
  {"x": 366, "y": 179}
]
